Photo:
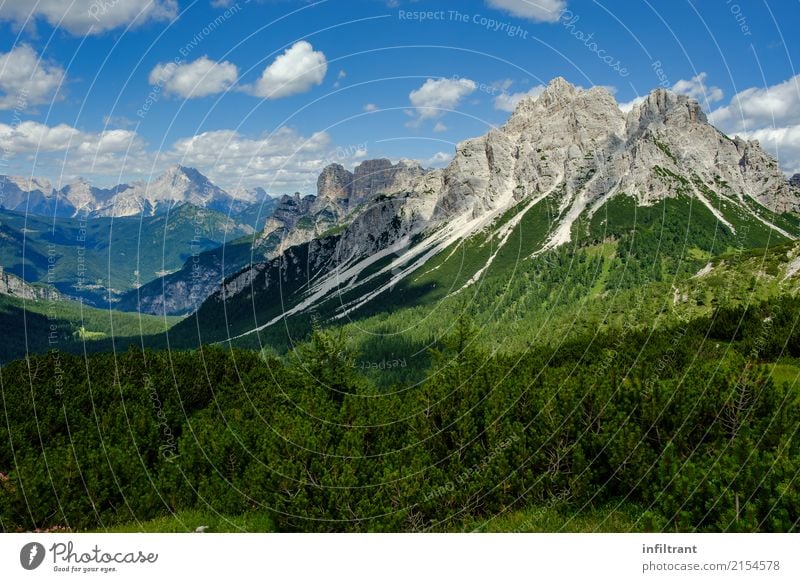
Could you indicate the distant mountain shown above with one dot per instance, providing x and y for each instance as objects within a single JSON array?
[
  {"x": 176, "y": 186},
  {"x": 184, "y": 290},
  {"x": 654, "y": 191},
  {"x": 32, "y": 195},
  {"x": 101, "y": 259},
  {"x": 291, "y": 220}
]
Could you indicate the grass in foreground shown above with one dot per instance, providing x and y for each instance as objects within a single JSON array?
[
  {"x": 612, "y": 518},
  {"x": 543, "y": 519},
  {"x": 188, "y": 521}
]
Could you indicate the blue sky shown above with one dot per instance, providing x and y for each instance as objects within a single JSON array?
[{"x": 267, "y": 92}]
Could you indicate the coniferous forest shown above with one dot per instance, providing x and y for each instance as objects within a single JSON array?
[
  {"x": 389, "y": 266},
  {"x": 692, "y": 427}
]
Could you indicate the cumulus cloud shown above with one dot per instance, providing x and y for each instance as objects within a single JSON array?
[
  {"x": 536, "y": 10},
  {"x": 370, "y": 107},
  {"x": 769, "y": 114},
  {"x": 439, "y": 127},
  {"x": 697, "y": 89},
  {"x": 65, "y": 150},
  {"x": 628, "y": 105},
  {"x": 35, "y": 137},
  {"x": 437, "y": 96},
  {"x": 508, "y": 101},
  {"x": 26, "y": 80},
  {"x": 267, "y": 151},
  {"x": 282, "y": 161},
  {"x": 199, "y": 78},
  {"x": 297, "y": 70},
  {"x": 757, "y": 107},
  {"x": 82, "y": 17},
  {"x": 437, "y": 160}
]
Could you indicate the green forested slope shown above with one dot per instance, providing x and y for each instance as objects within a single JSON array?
[{"x": 688, "y": 427}]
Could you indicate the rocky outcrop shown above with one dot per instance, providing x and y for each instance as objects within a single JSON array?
[
  {"x": 575, "y": 147},
  {"x": 13, "y": 286},
  {"x": 335, "y": 184},
  {"x": 794, "y": 181},
  {"x": 370, "y": 179},
  {"x": 582, "y": 141},
  {"x": 292, "y": 215}
]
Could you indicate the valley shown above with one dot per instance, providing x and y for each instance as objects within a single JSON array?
[{"x": 586, "y": 321}]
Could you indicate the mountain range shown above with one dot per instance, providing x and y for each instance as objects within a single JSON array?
[
  {"x": 101, "y": 244},
  {"x": 175, "y": 186},
  {"x": 569, "y": 169},
  {"x": 557, "y": 174}
]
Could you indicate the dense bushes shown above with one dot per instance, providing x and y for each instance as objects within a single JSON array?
[{"x": 692, "y": 429}]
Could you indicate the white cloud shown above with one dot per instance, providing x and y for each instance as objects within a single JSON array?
[
  {"x": 509, "y": 101},
  {"x": 208, "y": 148},
  {"x": 757, "y": 107},
  {"x": 81, "y": 17},
  {"x": 297, "y": 70},
  {"x": 697, "y": 89},
  {"x": 783, "y": 143},
  {"x": 284, "y": 161},
  {"x": 439, "y": 127},
  {"x": 769, "y": 114},
  {"x": 437, "y": 160},
  {"x": 199, "y": 78},
  {"x": 537, "y": 10},
  {"x": 26, "y": 80},
  {"x": 338, "y": 83},
  {"x": 436, "y": 97},
  {"x": 628, "y": 105},
  {"x": 35, "y": 137},
  {"x": 370, "y": 107},
  {"x": 63, "y": 150}
]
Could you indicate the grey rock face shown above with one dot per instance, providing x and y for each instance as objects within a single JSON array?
[
  {"x": 177, "y": 185},
  {"x": 13, "y": 286},
  {"x": 33, "y": 196},
  {"x": 573, "y": 146},
  {"x": 335, "y": 184},
  {"x": 370, "y": 179}
]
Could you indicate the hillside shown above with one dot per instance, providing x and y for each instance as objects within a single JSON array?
[
  {"x": 54, "y": 324},
  {"x": 99, "y": 259},
  {"x": 687, "y": 428},
  {"x": 570, "y": 188}
]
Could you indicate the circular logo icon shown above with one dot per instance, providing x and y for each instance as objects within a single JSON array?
[{"x": 31, "y": 555}]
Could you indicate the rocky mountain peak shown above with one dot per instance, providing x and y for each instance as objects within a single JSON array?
[
  {"x": 335, "y": 183},
  {"x": 662, "y": 106},
  {"x": 181, "y": 176},
  {"x": 368, "y": 179},
  {"x": 558, "y": 91}
]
